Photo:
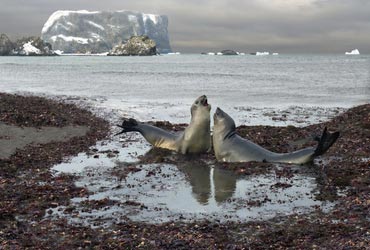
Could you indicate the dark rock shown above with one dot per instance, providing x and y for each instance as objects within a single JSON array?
[
  {"x": 32, "y": 46},
  {"x": 229, "y": 52},
  {"x": 135, "y": 46},
  {"x": 6, "y": 46}
]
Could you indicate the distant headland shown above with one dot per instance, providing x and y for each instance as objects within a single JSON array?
[{"x": 92, "y": 32}]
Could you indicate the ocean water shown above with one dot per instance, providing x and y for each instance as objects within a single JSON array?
[
  {"x": 250, "y": 88},
  {"x": 271, "y": 90}
]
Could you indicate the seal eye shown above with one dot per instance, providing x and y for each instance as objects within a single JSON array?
[{"x": 197, "y": 102}]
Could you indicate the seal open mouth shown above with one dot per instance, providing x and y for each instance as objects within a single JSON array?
[{"x": 204, "y": 101}]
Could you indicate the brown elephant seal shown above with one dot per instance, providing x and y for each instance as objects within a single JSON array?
[
  {"x": 230, "y": 147},
  {"x": 196, "y": 138}
]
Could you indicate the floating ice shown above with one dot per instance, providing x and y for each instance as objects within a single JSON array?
[
  {"x": 353, "y": 52},
  {"x": 265, "y": 53}
]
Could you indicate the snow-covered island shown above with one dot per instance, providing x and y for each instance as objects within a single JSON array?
[
  {"x": 99, "y": 31},
  {"x": 353, "y": 52},
  {"x": 28, "y": 46}
]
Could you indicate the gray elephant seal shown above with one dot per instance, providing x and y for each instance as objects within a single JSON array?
[
  {"x": 195, "y": 139},
  {"x": 230, "y": 147}
]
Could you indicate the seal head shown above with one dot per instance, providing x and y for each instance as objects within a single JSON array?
[
  {"x": 197, "y": 136},
  {"x": 224, "y": 124}
]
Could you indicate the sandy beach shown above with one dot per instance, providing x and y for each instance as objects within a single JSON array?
[{"x": 36, "y": 133}]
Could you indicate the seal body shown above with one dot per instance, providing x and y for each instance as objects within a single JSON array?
[
  {"x": 196, "y": 138},
  {"x": 230, "y": 147}
]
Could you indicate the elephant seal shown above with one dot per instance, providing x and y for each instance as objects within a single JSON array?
[
  {"x": 195, "y": 139},
  {"x": 230, "y": 147}
]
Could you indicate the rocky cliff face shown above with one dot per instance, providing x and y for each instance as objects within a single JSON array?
[
  {"x": 99, "y": 31},
  {"x": 6, "y": 46}
]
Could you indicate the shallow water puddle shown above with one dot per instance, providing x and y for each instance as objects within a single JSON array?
[
  {"x": 123, "y": 189},
  {"x": 105, "y": 155}
]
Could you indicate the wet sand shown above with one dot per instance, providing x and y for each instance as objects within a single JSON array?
[
  {"x": 14, "y": 138},
  {"x": 28, "y": 189}
]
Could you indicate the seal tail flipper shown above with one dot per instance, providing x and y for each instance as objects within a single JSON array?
[
  {"x": 325, "y": 141},
  {"x": 128, "y": 125}
]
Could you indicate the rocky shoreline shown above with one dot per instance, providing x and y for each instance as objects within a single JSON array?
[
  {"x": 35, "y": 46},
  {"x": 28, "y": 188}
]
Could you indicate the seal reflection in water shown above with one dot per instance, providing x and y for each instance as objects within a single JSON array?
[
  {"x": 195, "y": 139},
  {"x": 230, "y": 147},
  {"x": 210, "y": 183}
]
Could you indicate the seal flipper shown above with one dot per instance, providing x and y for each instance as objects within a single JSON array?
[
  {"x": 154, "y": 135},
  {"x": 325, "y": 142},
  {"x": 128, "y": 125}
]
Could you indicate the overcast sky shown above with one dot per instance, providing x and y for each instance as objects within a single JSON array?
[{"x": 285, "y": 26}]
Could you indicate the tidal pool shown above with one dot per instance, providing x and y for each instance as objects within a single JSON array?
[{"x": 124, "y": 188}]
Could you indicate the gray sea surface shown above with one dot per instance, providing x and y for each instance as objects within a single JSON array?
[{"x": 250, "y": 88}]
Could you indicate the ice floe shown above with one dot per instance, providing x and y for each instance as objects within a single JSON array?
[{"x": 353, "y": 52}]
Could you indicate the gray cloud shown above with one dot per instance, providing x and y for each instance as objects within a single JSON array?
[{"x": 286, "y": 26}]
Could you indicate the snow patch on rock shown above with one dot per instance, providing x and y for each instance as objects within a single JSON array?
[
  {"x": 96, "y": 25},
  {"x": 62, "y": 13},
  {"x": 71, "y": 39},
  {"x": 29, "y": 49}
]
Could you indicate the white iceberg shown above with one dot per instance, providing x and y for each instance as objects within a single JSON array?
[
  {"x": 353, "y": 52},
  {"x": 265, "y": 53}
]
